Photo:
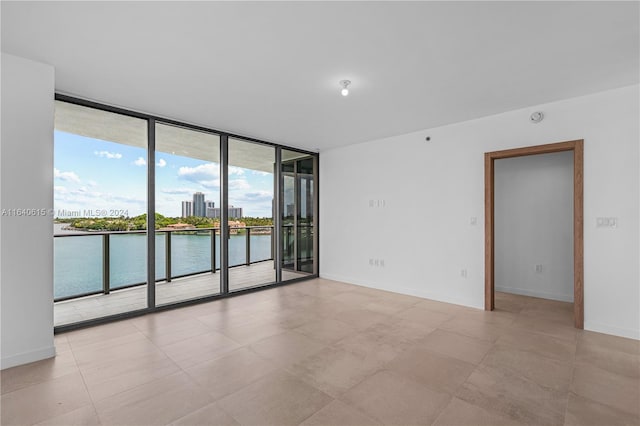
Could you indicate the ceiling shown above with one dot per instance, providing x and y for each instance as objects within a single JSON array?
[
  {"x": 270, "y": 70},
  {"x": 169, "y": 139}
]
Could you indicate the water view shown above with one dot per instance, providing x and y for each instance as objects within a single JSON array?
[{"x": 78, "y": 260}]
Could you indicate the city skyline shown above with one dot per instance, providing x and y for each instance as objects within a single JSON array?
[
  {"x": 100, "y": 175},
  {"x": 198, "y": 203}
]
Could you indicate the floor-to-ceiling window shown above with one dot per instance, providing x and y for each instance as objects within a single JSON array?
[
  {"x": 151, "y": 212},
  {"x": 187, "y": 220},
  {"x": 250, "y": 178},
  {"x": 100, "y": 205}
]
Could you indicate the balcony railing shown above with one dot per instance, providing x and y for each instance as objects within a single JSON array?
[{"x": 168, "y": 241}]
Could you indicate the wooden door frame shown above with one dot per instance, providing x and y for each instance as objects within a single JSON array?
[{"x": 577, "y": 147}]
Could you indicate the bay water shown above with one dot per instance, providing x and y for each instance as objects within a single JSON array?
[{"x": 78, "y": 259}]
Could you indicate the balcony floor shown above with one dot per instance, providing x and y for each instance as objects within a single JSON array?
[{"x": 179, "y": 289}]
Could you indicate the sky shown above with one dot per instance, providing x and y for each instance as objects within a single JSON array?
[{"x": 111, "y": 178}]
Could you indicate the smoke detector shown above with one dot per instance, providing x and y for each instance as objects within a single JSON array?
[{"x": 536, "y": 117}]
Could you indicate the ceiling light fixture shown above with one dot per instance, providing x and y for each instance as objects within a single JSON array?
[{"x": 345, "y": 87}]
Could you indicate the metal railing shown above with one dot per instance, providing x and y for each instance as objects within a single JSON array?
[{"x": 169, "y": 276}]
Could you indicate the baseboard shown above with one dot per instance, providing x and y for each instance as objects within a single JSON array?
[
  {"x": 409, "y": 291},
  {"x": 629, "y": 333},
  {"x": 27, "y": 357},
  {"x": 540, "y": 294}
]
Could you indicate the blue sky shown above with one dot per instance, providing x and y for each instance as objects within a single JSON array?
[{"x": 100, "y": 175}]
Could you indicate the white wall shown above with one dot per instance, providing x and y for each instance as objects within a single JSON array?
[
  {"x": 26, "y": 249},
  {"x": 433, "y": 189},
  {"x": 533, "y": 213}
]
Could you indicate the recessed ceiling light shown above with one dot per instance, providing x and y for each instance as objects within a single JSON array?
[{"x": 345, "y": 87}]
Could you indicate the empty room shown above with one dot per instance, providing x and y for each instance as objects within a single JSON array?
[{"x": 320, "y": 213}]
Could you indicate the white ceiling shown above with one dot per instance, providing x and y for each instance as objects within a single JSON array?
[{"x": 270, "y": 70}]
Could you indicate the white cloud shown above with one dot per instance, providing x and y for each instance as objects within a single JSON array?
[
  {"x": 259, "y": 195},
  {"x": 107, "y": 154},
  {"x": 239, "y": 184},
  {"x": 68, "y": 176},
  {"x": 92, "y": 183},
  {"x": 177, "y": 190},
  {"x": 259, "y": 173},
  {"x": 210, "y": 184},
  {"x": 199, "y": 173},
  {"x": 84, "y": 198},
  {"x": 161, "y": 163},
  {"x": 59, "y": 189},
  {"x": 208, "y": 175},
  {"x": 254, "y": 196},
  {"x": 140, "y": 162}
]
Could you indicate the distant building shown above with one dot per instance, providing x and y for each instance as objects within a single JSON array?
[
  {"x": 209, "y": 208},
  {"x": 234, "y": 212},
  {"x": 290, "y": 210},
  {"x": 199, "y": 208},
  {"x": 187, "y": 208}
]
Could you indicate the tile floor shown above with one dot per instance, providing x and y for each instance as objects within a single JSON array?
[{"x": 326, "y": 353}]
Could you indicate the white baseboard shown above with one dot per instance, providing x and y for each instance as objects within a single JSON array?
[
  {"x": 588, "y": 325},
  {"x": 540, "y": 294},
  {"x": 629, "y": 333},
  {"x": 409, "y": 291},
  {"x": 27, "y": 357}
]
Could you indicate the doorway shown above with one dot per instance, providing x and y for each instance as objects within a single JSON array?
[{"x": 578, "y": 268}]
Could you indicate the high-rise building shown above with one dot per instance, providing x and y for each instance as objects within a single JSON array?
[
  {"x": 187, "y": 208},
  {"x": 209, "y": 206},
  {"x": 199, "y": 208},
  {"x": 234, "y": 212},
  {"x": 290, "y": 210}
]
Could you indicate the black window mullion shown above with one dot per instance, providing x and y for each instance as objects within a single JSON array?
[
  {"x": 151, "y": 213},
  {"x": 224, "y": 214}
]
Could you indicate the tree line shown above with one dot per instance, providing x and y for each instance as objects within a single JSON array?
[{"x": 136, "y": 223}]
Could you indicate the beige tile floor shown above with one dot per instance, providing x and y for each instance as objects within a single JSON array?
[{"x": 326, "y": 353}]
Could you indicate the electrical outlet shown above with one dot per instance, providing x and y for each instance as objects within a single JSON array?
[
  {"x": 463, "y": 273},
  {"x": 382, "y": 263},
  {"x": 538, "y": 269},
  {"x": 606, "y": 222},
  {"x": 370, "y": 262},
  {"x": 473, "y": 221}
]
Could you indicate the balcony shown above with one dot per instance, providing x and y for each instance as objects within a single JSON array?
[{"x": 99, "y": 274}]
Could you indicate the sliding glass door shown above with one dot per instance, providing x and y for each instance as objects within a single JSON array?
[{"x": 298, "y": 228}]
